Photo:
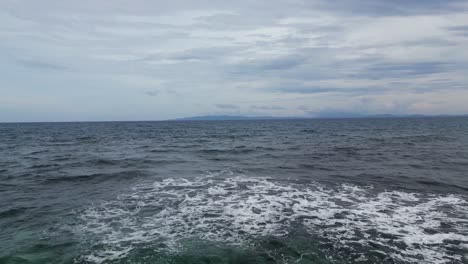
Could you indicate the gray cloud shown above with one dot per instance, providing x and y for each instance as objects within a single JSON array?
[
  {"x": 267, "y": 107},
  {"x": 189, "y": 55},
  {"x": 40, "y": 65},
  {"x": 279, "y": 63},
  {"x": 349, "y": 91},
  {"x": 395, "y": 7},
  {"x": 306, "y": 89},
  {"x": 387, "y": 69},
  {"x": 459, "y": 30},
  {"x": 227, "y": 106},
  {"x": 152, "y": 93},
  {"x": 283, "y": 57},
  {"x": 162, "y": 92}
]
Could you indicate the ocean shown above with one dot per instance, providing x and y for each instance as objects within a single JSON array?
[{"x": 389, "y": 190}]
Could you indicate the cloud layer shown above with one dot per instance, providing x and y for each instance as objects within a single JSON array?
[{"x": 150, "y": 60}]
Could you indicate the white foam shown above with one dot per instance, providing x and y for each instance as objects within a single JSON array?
[{"x": 237, "y": 210}]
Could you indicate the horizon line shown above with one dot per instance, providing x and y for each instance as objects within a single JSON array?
[{"x": 185, "y": 119}]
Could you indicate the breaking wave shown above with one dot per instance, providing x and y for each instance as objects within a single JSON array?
[{"x": 240, "y": 211}]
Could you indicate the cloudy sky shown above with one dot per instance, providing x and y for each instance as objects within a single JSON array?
[{"x": 66, "y": 60}]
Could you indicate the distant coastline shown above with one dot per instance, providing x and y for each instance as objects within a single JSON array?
[
  {"x": 246, "y": 118},
  {"x": 229, "y": 117},
  {"x": 343, "y": 116}
]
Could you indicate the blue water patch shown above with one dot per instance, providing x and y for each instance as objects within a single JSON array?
[{"x": 279, "y": 191}]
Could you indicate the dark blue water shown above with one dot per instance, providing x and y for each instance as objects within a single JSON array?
[{"x": 282, "y": 191}]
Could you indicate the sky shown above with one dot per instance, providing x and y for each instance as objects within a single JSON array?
[{"x": 88, "y": 60}]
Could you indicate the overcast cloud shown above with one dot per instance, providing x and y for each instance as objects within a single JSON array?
[{"x": 153, "y": 60}]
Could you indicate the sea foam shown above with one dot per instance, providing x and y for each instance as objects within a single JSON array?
[{"x": 238, "y": 210}]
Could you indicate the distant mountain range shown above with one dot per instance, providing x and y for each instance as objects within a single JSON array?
[{"x": 229, "y": 117}]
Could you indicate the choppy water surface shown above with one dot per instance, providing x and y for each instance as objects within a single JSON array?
[{"x": 298, "y": 191}]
